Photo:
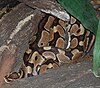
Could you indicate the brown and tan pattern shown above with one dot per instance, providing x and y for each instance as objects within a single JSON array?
[{"x": 51, "y": 47}]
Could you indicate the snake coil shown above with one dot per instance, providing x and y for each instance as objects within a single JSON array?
[{"x": 55, "y": 42}]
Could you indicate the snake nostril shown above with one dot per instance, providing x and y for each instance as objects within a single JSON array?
[{"x": 36, "y": 58}]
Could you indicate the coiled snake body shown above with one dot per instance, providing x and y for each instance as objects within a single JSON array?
[{"x": 55, "y": 42}]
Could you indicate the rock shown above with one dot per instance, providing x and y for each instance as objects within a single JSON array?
[
  {"x": 48, "y": 6},
  {"x": 75, "y": 76},
  {"x": 16, "y": 29},
  {"x": 4, "y": 3}
]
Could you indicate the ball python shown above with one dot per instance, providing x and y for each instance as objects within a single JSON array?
[{"x": 54, "y": 42}]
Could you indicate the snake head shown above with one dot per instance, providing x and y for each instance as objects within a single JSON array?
[{"x": 12, "y": 76}]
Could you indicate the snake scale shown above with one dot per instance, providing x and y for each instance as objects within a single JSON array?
[{"x": 55, "y": 42}]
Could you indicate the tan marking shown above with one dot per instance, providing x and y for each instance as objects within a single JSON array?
[
  {"x": 60, "y": 30},
  {"x": 73, "y": 20},
  {"x": 55, "y": 65},
  {"x": 62, "y": 57},
  {"x": 45, "y": 66},
  {"x": 61, "y": 51},
  {"x": 51, "y": 37},
  {"x": 81, "y": 43},
  {"x": 28, "y": 51},
  {"x": 87, "y": 33},
  {"x": 28, "y": 69},
  {"x": 74, "y": 43},
  {"x": 84, "y": 43},
  {"x": 36, "y": 62},
  {"x": 91, "y": 44},
  {"x": 23, "y": 68},
  {"x": 55, "y": 29},
  {"x": 63, "y": 24},
  {"x": 47, "y": 48},
  {"x": 68, "y": 27},
  {"x": 44, "y": 39},
  {"x": 43, "y": 69},
  {"x": 87, "y": 40},
  {"x": 60, "y": 43},
  {"x": 39, "y": 60},
  {"x": 76, "y": 54},
  {"x": 50, "y": 65},
  {"x": 75, "y": 30},
  {"x": 82, "y": 29},
  {"x": 12, "y": 76},
  {"x": 49, "y": 23},
  {"x": 49, "y": 55}
]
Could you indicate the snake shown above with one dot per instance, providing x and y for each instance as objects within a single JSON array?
[{"x": 54, "y": 42}]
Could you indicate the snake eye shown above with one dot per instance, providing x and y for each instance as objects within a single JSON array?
[{"x": 36, "y": 58}]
